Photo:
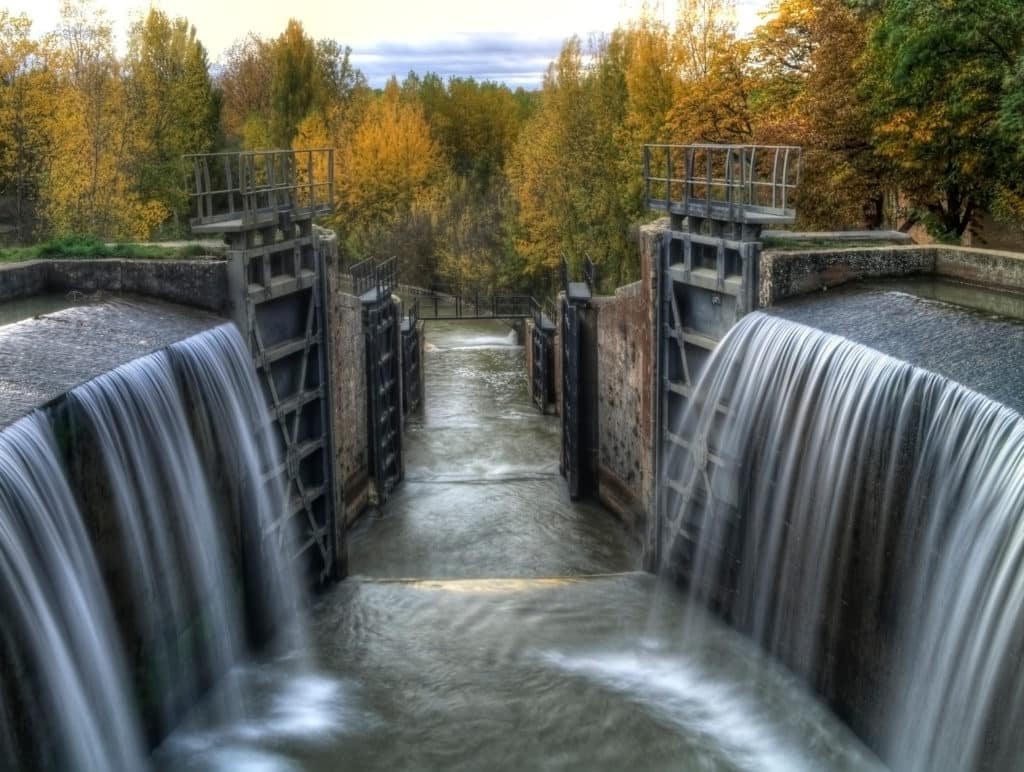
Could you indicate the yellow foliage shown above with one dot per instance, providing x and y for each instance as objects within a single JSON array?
[
  {"x": 88, "y": 187},
  {"x": 387, "y": 162}
]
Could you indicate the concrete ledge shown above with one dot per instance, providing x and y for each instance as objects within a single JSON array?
[
  {"x": 988, "y": 267},
  {"x": 786, "y": 274},
  {"x": 197, "y": 283},
  {"x": 860, "y": 235},
  {"x": 22, "y": 280}
]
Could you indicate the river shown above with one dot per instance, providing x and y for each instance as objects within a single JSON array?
[{"x": 492, "y": 624}]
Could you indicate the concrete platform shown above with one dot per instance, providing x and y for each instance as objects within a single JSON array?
[{"x": 44, "y": 357}]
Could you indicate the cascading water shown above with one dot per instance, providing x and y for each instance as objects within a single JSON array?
[
  {"x": 864, "y": 521},
  {"x": 177, "y": 445},
  {"x": 56, "y": 612}
]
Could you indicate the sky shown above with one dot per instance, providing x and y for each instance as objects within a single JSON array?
[{"x": 511, "y": 41}]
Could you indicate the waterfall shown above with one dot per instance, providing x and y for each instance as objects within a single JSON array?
[
  {"x": 173, "y": 478},
  {"x": 55, "y": 607},
  {"x": 863, "y": 520}
]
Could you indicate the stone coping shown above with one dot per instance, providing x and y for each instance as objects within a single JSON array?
[
  {"x": 199, "y": 283},
  {"x": 786, "y": 274}
]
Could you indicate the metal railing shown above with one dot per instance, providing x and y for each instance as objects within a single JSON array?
[
  {"x": 378, "y": 280},
  {"x": 739, "y": 183},
  {"x": 241, "y": 189},
  {"x": 412, "y": 314},
  {"x": 364, "y": 277},
  {"x": 590, "y": 273},
  {"x": 472, "y": 304}
]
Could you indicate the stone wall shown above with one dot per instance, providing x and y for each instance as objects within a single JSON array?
[
  {"x": 625, "y": 418},
  {"x": 626, "y": 394},
  {"x": 348, "y": 394},
  {"x": 785, "y": 274},
  {"x": 1004, "y": 270},
  {"x": 196, "y": 283}
]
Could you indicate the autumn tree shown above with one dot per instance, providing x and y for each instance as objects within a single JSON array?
[
  {"x": 25, "y": 104},
  {"x": 270, "y": 88},
  {"x": 475, "y": 123},
  {"x": 711, "y": 99},
  {"x": 88, "y": 186},
  {"x": 943, "y": 87},
  {"x": 174, "y": 108},
  {"x": 569, "y": 171},
  {"x": 388, "y": 170},
  {"x": 244, "y": 82},
  {"x": 808, "y": 59}
]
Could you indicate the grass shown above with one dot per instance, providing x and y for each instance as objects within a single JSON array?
[{"x": 90, "y": 247}]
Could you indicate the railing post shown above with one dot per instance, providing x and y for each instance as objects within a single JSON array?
[{"x": 668, "y": 178}]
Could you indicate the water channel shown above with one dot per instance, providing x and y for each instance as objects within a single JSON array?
[{"x": 491, "y": 623}]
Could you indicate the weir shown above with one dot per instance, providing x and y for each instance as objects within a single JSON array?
[
  {"x": 812, "y": 491},
  {"x": 142, "y": 552},
  {"x": 861, "y": 519}
]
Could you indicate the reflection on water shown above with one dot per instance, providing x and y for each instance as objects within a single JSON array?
[
  {"x": 12, "y": 311},
  {"x": 525, "y": 640}
]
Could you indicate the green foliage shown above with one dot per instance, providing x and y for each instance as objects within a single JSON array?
[
  {"x": 79, "y": 246},
  {"x": 946, "y": 102},
  {"x": 294, "y": 84},
  {"x": 173, "y": 106}
]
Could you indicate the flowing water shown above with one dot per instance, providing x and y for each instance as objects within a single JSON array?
[
  {"x": 968, "y": 334},
  {"x": 491, "y": 623},
  {"x": 862, "y": 519},
  {"x": 12, "y": 311},
  {"x": 170, "y": 461},
  {"x": 57, "y": 615}
]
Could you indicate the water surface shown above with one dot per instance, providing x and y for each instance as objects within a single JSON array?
[
  {"x": 491, "y": 623},
  {"x": 12, "y": 311},
  {"x": 971, "y": 335}
]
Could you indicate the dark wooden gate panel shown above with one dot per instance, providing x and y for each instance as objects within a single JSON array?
[
  {"x": 384, "y": 415},
  {"x": 542, "y": 359},
  {"x": 571, "y": 397}
]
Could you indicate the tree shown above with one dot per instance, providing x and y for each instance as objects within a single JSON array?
[
  {"x": 174, "y": 108},
  {"x": 25, "y": 103},
  {"x": 711, "y": 102},
  {"x": 808, "y": 60},
  {"x": 88, "y": 187},
  {"x": 244, "y": 82},
  {"x": 296, "y": 85},
  {"x": 387, "y": 169},
  {"x": 941, "y": 87},
  {"x": 570, "y": 171}
]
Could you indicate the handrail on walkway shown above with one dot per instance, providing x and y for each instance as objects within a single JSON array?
[
  {"x": 738, "y": 183},
  {"x": 233, "y": 191}
]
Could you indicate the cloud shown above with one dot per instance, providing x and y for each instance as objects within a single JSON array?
[{"x": 510, "y": 59}]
